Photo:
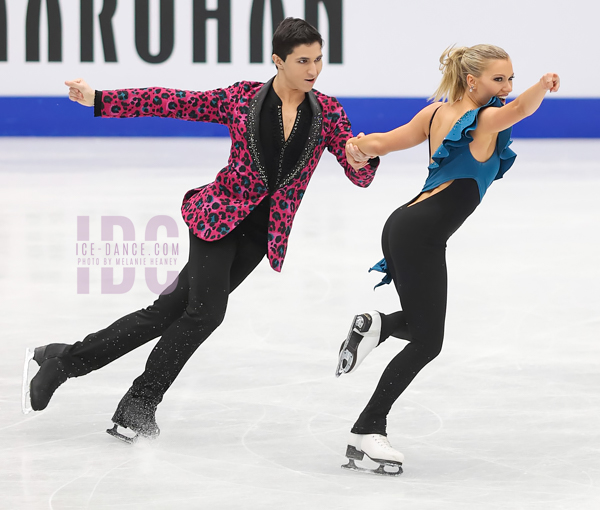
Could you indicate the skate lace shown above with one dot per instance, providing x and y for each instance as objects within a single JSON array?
[{"x": 385, "y": 443}]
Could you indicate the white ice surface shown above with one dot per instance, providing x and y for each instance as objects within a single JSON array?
[{"x": 508, "y": 417}]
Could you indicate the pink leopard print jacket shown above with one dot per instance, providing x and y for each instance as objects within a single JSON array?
[{"x": 213, "y": 210}]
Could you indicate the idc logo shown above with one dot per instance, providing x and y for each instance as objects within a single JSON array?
[{"x": 128, "y": 254}]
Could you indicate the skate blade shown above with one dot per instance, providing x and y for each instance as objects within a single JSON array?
[
  {"x": 25, "y": 395},
  {"x": 392, "y": 470},
  {"x": 346, "y": 357},
  {"x": 344, "y": 362},
  {"x": 114, "y": 432}
]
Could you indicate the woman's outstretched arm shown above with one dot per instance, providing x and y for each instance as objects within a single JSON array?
[
  {"x": 403, "y": 137},
  {"x": 494, "y": 120}
]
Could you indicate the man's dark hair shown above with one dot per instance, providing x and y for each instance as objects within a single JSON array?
[{"x": 293, "y": 32}]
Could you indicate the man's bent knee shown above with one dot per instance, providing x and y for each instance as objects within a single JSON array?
[{"x": 207, "y": 321}]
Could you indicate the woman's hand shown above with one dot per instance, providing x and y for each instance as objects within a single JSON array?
[
  {"x": 550, "y": 81},
  {"x": 81, "y": 92}
]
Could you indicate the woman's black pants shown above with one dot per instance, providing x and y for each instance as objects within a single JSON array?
[{"x": 414, "y": 246}]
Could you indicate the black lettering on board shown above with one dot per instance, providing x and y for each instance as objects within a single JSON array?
[
  {"x": 106, "y": 30},
  {"x": 166, "y": 34},
  {"x": 257, "y": 27},
  {"x": 334, "y": 14},
  {"x": 223, "y": 16},
  {"x": 32, "y": 31},
  {"x": 3, "y": 32}
]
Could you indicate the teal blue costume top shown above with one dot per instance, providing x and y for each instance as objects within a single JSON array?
[{"x": 453, "y": 160}]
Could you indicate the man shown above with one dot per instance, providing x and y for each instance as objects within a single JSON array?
[{"x": 279, "y": 131}]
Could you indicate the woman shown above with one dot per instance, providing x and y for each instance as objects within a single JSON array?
[
  {"x": 470, "y": 130},
  {"x": 279, "y": 131}
]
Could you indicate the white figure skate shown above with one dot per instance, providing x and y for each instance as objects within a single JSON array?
[{"x": 377, "y": 448}]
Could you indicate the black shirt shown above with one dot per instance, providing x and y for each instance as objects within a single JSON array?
[{"x": 279, "y": 155}]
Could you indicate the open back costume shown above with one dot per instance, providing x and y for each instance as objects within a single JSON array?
[
  {"x": 414, "y": 246},
  {"x": 245, "y": 214}
]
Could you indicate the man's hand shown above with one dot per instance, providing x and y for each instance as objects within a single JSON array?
[
  {"x": 357, "y": 158},
  {"x": 81, "y": 92}
]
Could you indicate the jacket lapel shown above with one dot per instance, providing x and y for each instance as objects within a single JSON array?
[{"x": 253, "y": 129}]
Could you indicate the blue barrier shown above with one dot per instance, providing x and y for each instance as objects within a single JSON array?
[{"x": 57, "y": 116}]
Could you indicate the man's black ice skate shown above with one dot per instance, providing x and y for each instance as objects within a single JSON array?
[
  {"x": 136, "y": 414},
  {"x": 362, "y": 338},
  {"x": 378, "y": 449},
  {"x": 36, "y": 395}
]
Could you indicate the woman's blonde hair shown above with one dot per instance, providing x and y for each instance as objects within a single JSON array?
[{"x": 457, "y": 63}]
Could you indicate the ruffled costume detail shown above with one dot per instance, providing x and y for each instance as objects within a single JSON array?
[
  {"x": 381, "y": 267},
  {"x": 460, "y": 136}
]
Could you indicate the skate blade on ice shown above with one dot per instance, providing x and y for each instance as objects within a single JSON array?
[
  {"x": 382, "y": 470},
  {"x": 385, "y": 467},
  {"x": 122, "y": 437},
  {"x": 25, "y": 395}
]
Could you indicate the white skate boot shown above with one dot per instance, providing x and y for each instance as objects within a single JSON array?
[
  {"x": 378, "y": 449},
  {"x": 362, "y": 338}
]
